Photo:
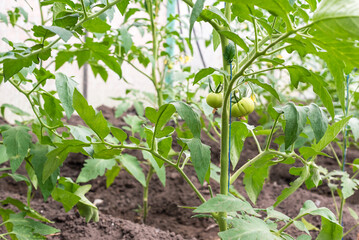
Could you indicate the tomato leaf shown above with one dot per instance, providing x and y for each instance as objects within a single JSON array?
[
  {"x": 94, "y": 168},
  {"x": 96, "y": 25},
  {"x": 95, "y": 121},
  {"x": 65, "y": 88},
  {"x": 17, "y": 141},
  {"x": 236, "y": 39},
  {"x": 196, "y": 11}
]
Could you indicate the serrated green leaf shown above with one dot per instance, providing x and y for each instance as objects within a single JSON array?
[
  {"x": 38, "y": 160},
  {"x": 353, "y": 213},
  {"x": 94, "y": 168},
  {"x": 191, "y": 118},
  {"x": 330, "y": 134},
  {"x": 201, "y": 157},
  {"x": 160, "y": 171},
  {"x": 119, "y": 134},
  {"x": 239, "y": 132},
  {"x": 96, "y": 25},
  {"x": 249, "y": 228},
  {"x": 265, "y": 86},
  {"x": 255, "y": 176},
  {"x": 111, "y": 175},
  {"x": 354, "y": 126},
  {"x": 95, "y": 121},
  {"x": 295, "y": 119},
  {"x": 236, "y": 39},
  {"x": 225, "y": 203},
  {"x": 293, "y": 186},
  {"x": 57, "y": 156},
  {"x": 3, "y": 155},
  {"x": 65, "y": 88},
  {"x": 49, "y": 31},
  {"x": 204, "y": 72},
  {"x": 122, "y": 5},
  {"x": 17, "y": 141},
  {"x": 24, "y": 208},
  {"x": 132, "y": 165},
  {"x": 318, "y": 121},
  {"x": 196, "y": 11}
]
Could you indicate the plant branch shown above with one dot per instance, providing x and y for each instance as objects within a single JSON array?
[
  {"x": 38, "y": 84},
  {"x": 335, "y": 202},
  {"x": 52, "y": 129},
  {"x": 247, "y": 164},
  {"x": 291, "y": 222},
  {"x": 73, "y": 28},
  {"x": 335, "y": 155},
  {"x": 278, "y": 49},
  {"x": 180, "y": 156},
  {"x": 261, "y": 71},
  {"x": 83, "y": 8},
  {"x": 351, "y": 229},
  {"x": 271, "y": 133},
  {"x": 136, "y": 68},
  {"x": 256, "y": 141}
]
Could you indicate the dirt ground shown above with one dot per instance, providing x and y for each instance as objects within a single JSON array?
[{"x": 118, "y": 204}]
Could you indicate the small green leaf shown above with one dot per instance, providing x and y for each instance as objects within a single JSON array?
[
  {"x": 119, "y": 134},
  {"x": 96, "y": 25},
  {"x": 160, "y": 171},
  {"x": 65, "y": 88},
  {"x": 132, "y": 165},
  {"x": 191, "y": 117},
  {"x": 122, "y": 5},
  {"x": 200, "y": 156},
  {"x": 318, "y": 121},
  {"x": 353, "y": 214},
  {"x": 57, "y": 156},
  {"x": 236, "y": 39},
  {"x": 265, "y": 86},
  {"x": 95, "y": 121},
  {"x": 225, "y": 203},
  {"x": 111, "y": 175},
  {"x": 49, "y": 31},
  {"x": 249, "y": 228},
  {"x": 38, "y": 160},
  {"x": 196, "y": 11},
  {"x": 354, "y": 126},
  {"x": 202, "y": 74},
  {"x": 330, "y": 134},
  {"x": 239, "y": 133},
  {"x": 94, "y": 168},
  {"x": 293, "y": 186},
  {"x": 295, "y": 119}
]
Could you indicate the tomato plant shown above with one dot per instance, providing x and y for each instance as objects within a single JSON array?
[{"x": 324, "y": 29}]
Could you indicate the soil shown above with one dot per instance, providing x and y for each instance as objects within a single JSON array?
[{"x": 167, "y": 220}]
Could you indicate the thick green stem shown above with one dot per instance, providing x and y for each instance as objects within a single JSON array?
[
  {"x": 145, "y": 193},
  {"x": 156, "y": 83},
  {"x": 222, "y": 221}
]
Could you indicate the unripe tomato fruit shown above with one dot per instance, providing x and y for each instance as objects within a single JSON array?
[
  {"x": 215, "y": 100},
  {"x": 242, "y": 108}
]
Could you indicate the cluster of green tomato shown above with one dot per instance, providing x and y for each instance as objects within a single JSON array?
[{"x": 239, "y": 109}]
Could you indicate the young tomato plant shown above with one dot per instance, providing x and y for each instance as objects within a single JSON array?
[{"x": 326, "y": 30}]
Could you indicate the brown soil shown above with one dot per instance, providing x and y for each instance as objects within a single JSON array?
[{"x": 118, "y": 216}]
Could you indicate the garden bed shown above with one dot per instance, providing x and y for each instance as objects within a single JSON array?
[{"x": 167, "y": 220}]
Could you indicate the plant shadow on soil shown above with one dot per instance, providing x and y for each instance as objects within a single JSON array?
[{"x": 118, "y": 204}]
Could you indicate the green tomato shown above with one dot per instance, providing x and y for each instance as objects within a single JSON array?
[
  {"x": 242, "y": 108},
  {"x": 215, "y": 100}
]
